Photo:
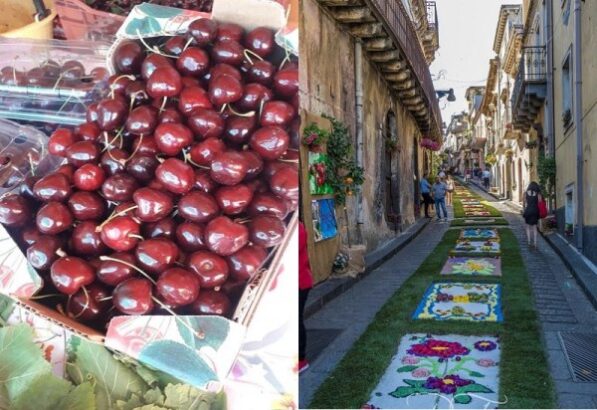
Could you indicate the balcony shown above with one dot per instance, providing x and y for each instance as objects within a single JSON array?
[
  {"x": 430, "y": 38},
  {"x": 530, "y": 88},
  {"x": 391, "y": 42}
]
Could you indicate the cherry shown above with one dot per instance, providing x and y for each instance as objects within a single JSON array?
[
  {"x": 53, "y": 187},
  {"x": 151, "y": 62},
  {"x": 224, "y": 236},
  {"x": 271, "y": 167},
  {"x": 204, "y": 152},
  {"x": 211, "y": 269},
  {"x": 36, "y": 76},
  {"x": 14, "y": 210},
  {"x": 229, "y": 168},
  {"x": 42, "y": 254},
  {"x": 111, "y": 113},
  {"x": 89, "y": 177},
  {"x": 89, "y": 304},
  {"x": 113, "y": 161},
  {"x": 164, "y": 82},
  {"x": 267, "y": 203},
  {"x": 178, "y": 287},
  {"x": 86, "y": 206},
  {"x": 286, "y": 82},
  {"x": 142, "y": 167},
  {"x": 270, "y": 142},
  {"x": 253, "y": 95},
  {"x": 261, "y": 41},
  {"x": 204, "y": 31},
  {"x": 245, "y": 263},
  {"x": 152, "y": 205},
  {"x": 120, "y": 233},
  {"x": 175, "y": 175},
  {"x": 145, "y": 145},
  {"x": 203, "y": 182},
  {"x": 82, "y": 152},
  {"x": 68, "y": 170},
  {"x": 206, "y": 123},
  {"x": 276, "y": 113},
  {"x": 228, "y": 52},
  {"x": 164, "y": 228},
  {"x": 73, "y": 70},
  {"x": 210, "y": 302},
  {"x": 258, "y": 186},
  {"x": 238, "y": 129},
  {"x": 86, "y": 240},
  {"x": 142, "y": 120},
  {"x": 118, "y": 84},
  {"x": 133, "y": 296},
  {"x": 69, "y": 274},
  {"x": 170, "y": 115},
  {"x": 60, "y": 140},
  {"x": 284, "y": 183},
  {"x": 266, "y": 230},
  {"x": 88, "y": 131},
  {"x": 225, "y": 89},
  {"x": 111, "y": 272},
  {"x": 233, "y": 200},
  {"x": 175, "y": 45},
  {"x": 261, "y": 72},
  {"x": 189, "y": 236},
  {"x": 26, "y": 188},
  {"x": 99, "y": 74},
  {"x": 190, "y": 82},
  {"x": 193, "y": 61},
  {"x": 128, "y": 57},
  {"x": 156, "y": 255},
  {"x": 230, "y": 31},
  {"x": 198, "y": 206},
  {"x": 30, "y": 235},
  {"x": 193, "y": 98},
  {"x": 220, "y": 69},
  {"x": 119, "y": 187},
  {"x": 255, "y": 164},
  {"x": 172, "y": 138}
]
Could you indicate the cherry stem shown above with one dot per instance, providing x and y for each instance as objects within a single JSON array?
[
  {"x": 223, "y": 108},
  {"x": 31, "y": 164},
  {"x": 242, "y": 220},
  {"x": 199, "y": 333},
  {"x": 286, "y": 58},
  {"x": 261, "y": 103},
  {"x": 187, "y": 158},
  {"x": 164, "y": 101},
  {"x": 114, "y": 215},
  {"x": 51, "y": 295},
  {"x": 86, "y": 303},
  {"x": 189, "y": 41},
  {"x": 136, "y": 149},
  {"x": 109, "y": 144},
  {"x": 246, "y": 114},
  {"x": 133, "y": 235},
  {"x": 153, "y": 49},
  {"x": 292, "y": 161},
  {"x": 130, "y": 265},
  {"x": 62, "y": 76},
  {"x": 248, "y": 52},
  {"x": 61, "y": 253},
  {"x": 104, "y": 299}
]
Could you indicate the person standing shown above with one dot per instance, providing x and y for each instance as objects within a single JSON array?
[
  {"x": 449, "y": 189},
  {"x": 305, "y": 285},
  {"x": 442, "y": 174},
  {"x": 486, "y": 176},
  {"x": 439, "y": 196},
  {"x": 532, "y": 196},
  {"x": 426, "y": 192}
]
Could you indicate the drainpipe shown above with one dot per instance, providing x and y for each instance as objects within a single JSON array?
[
  {"x": 358, "y": 69},
  {"x": 549, "y": 115},
  {"x": 578, "y": 121}
]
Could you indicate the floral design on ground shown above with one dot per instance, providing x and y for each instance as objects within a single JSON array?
[
  {"x": 486, "y": 363},
  {"x": 438, "y": 348},
  {"x": 447, "y": 384},
  {"x": 485, "y": 345}
]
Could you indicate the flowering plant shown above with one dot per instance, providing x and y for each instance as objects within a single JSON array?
[{"x": 314, "y": 136}]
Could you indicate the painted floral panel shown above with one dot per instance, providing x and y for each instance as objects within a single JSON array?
[
  {"x": 478, "y": 233},
  {"x": 461, "y": 301},
  {"x": 473, "y": 266},
  {"x": 477, "y": 213},
  {"x": 479, "y": 221},
  {"x": 466, "y": 247},
  {"x": 446, "y": 372}
]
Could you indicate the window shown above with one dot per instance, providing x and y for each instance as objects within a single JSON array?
[
  {"x": 569, "y": 210},
  {"x": 567, "y": 90}
]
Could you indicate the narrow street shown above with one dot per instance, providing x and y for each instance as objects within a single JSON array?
[{"x": 561, "y": 306}]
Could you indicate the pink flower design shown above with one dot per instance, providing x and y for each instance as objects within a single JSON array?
[
  {"x": 485, "y": 362},
  {"x": 420, "y": 372},
  {"x": 410, "y": 360}
]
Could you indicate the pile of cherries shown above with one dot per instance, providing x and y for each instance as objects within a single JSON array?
[{"x": 178, "y": 187}]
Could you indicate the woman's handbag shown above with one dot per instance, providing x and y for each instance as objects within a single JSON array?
[{"x": 542, "y": 205}]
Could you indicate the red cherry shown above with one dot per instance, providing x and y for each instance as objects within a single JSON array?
[
  {"x": 224, "y": 236},
  {"x": 192, "y": 99},
  {"x": 230, "y": 31},
  {"x": 276, "y": 113},
  {"x": 253, "y": 95},
  {"x": 151, "y": 62},
  {"x": 120, "y": 233},
  {"x": 68, "y": 170},
  {"x": 53, "y": 218},
  {"x": 69, "y": 274},
  {"x": 206, "y": 123},
  {"x": 211, "y": 269},
  {"x": 204, "y": 152},
  {"x": 164, "y": 82},
  {"x": 189, "y": 236},
  {"x": 238, "y": 129},
  {"x": 190, "y": 82},
  {"x": 225, "y": 89},
  {"x": 203, "y": 182},
  {"x": 99, "y": 74},
  {"x": 133, "y": 297},
  {"x": 245, "y": 263},
  {"x": 119, "y": 187},
  {"x": 204, "y": 31},
  {"x": 286, "y": 83},
  {"x": 128, "y": 57},
  {"x": 145, "y": 146},
  {"x": 266, "y": 230},
  {"x": 261, "y": 41},
  {"x": 175, "y": 45},
  {"x": 175, "y": 175},
  {"x": 26, "y": 188},
  {"x": 142, "y": 167},
  {"x": 261, "y": 72},
  {"x": 88, "y": 131},
  {"x": 72, "y": 70},
  {"x": 267, "y": 203},
  {"x": 152, "y": 205},
  {"x": 112, "y": 272},
  {"x": 211, "y": 302},
  {"x": 89, "y": 304},
  {"x": 87, "y": 206},
  {"x": 170, "y": 115},
  {"x": 164, "y": 228},
  {"x": 114, "y": 161},
  {"x": 89, "y": 177},
  {"x": 125, "y": 209},
  {"x": 14, "y": 210},
  {"x": 229, "y": 168},
  {"x": 178, "y": 287},
  {"x": 42, "y": 254},
  {"x": 220, "y": 69},
  {"x": 61, "y": 139},
  {"x": 111, "y": 113},
  {"x": 82, "y": 152},
  {"x": 255, "y": 164},
  {"x": 172, "y": 138},
  {"x": 86, "y": 240},
  {"x": 117, "y": 84},
  {"x": 270, "y": 142},
  {"x": 233, "y": 200},
  {"x": 197, "y": 206},
  {"x": 142, "y": 120},
  {"x": 284, "y": 183},
  {"x": 30, "y": 235},
  {"x": 156, "y": 255},
  {"x": 53, "y": 187},
  {"x": 228, "y": 52},
  {"x": 193, "y": 61}
]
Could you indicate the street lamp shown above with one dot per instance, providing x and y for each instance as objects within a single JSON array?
[{"x": 449, "y": 93}]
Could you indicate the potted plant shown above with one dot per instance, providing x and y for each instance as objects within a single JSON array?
[{"x": 569, "y": 230}]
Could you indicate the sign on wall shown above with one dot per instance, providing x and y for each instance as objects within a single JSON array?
[
  {"x": 318, "y": 184},
  {"x": 324, "y": 219}
]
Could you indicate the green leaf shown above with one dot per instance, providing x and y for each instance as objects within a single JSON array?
[
  {"x": 405, "y": 369},
  {"x": 462, "y": 399},
  {"x": 415, "y": 383},
  {"x": 81, "y": 397},
  {"x": 185, "y": 397},
  {"x": 214, "y": 329},
  {"x": 473, "y": 373},
  {"x": 403, "y": 391},
  {"x": 113, "y": 380},
  {"x": 474, "y": 388},
  {"x": 43, "y": 393}
]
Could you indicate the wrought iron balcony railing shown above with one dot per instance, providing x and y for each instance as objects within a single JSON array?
[{"x": 530, "y": 82}]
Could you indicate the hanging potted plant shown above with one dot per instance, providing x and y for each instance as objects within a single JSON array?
[
  {"x": 314, "y": 137},
  {"x": 391, "y": 145}
]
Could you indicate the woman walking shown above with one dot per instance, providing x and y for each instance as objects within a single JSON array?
[
  {"x": 305, "y": 285},
  {"x": 450, "y": 189},
  {"x": 532, "y": 196}
]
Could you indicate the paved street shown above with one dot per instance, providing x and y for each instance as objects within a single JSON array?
[{"x": 561, "y": 305}]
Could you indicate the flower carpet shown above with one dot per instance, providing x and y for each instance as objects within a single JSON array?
[
  {"x": 466, "y": 247},
  {"x": 461, "y": 301},
  {"x": 448, "y": 371},
  {"x": 478, "y": 233},
  {"x": 476, "y": 213},
  {"x": 473, "y": 266},
  {"x": 479, "y": 221}
]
